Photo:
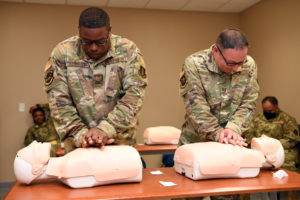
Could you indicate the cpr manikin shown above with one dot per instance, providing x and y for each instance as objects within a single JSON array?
[
  {"x": 83, "y": 167},
  {"x": 162, "y": 135},
  {"x": 207, "y": 160}
]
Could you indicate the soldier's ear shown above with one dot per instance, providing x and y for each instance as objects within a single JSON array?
[{"x": 215, "y": 48}]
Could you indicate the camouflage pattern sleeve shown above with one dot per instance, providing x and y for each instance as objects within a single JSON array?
[
  {"x": 29, "y": 137},
  {"x": 241, "y": 119},
  {"x": 290, "y": 135},
  {"x": 64, "y": 114},
  {"x": 198, "y": 112},
  {"x": 125, "y": 113}
]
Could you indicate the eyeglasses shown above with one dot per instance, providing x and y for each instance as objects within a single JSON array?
[
  {"x": 100, "y": 42},
  {"x": 228, "y": 63}
]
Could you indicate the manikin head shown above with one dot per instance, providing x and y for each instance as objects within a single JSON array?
[
  {"x": 272, "y": 150},
  {"x": 30, "y": 161}
]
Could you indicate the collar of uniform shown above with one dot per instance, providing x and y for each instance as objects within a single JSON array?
[
  {"x": 111, "y": 52},
  {"x": 214, "y": 67},
  {"x": 38, "y": 126}
]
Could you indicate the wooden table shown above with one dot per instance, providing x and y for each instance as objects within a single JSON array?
[
  {"x": 145, "y": 149},
  {"x": 150, "y": 188}
]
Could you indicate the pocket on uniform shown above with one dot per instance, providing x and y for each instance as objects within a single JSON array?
[
  {"x": 113, "y": 87},
  {"x": 79, "y": 85}
]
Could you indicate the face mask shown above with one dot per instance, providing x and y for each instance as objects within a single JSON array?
[{"x": 269, "y": 115}]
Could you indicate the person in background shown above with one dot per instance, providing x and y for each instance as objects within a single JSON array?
[
  {"x": 276, "y": 123},
  {"x": 95, "y": 83},
  {"x": 43, "y": 129}
]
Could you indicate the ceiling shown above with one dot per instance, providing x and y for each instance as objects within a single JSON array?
[{"x": 231, "y": 6}]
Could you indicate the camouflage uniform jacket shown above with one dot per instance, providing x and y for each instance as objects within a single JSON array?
[
  {"x": 215, "y": 100},
  {"x": 43, "y": 133},
  {"x": 106, "y": 94},
  {"x": 284, "y": 128}
]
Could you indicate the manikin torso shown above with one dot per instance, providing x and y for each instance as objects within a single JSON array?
[
  {"x": 83, "y": 167},
  {"x": 162, "y": 135},
  {"x": 88, "y": 167},
  {"x": 215, "y": 160}
]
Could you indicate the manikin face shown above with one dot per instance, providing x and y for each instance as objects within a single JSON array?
[
  {"x": 229, "y": 60},
  {"x": 95, "y": 41},
  {"x": 265, "y": 144},
  {"x": 36, "y": 152},
  {"x": 30, "y": 160},
  {"x": 271, "y": 148},
  {"x": 264, "y": 140}
]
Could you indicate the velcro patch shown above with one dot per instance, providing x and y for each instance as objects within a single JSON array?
[
  {"x": 49, "y": 76},
  {"x": 183, "y": 80},
  {"x": 142, "y": 72}
]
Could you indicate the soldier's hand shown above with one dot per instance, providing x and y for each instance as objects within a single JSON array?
[
  {"x": 96, "y": 138},
  {"x": 60, "y": 151},
  {"x": 229, "y": 136},
  {"x": 32, "y": 108}
]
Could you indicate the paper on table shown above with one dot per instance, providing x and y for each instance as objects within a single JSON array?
[
  {"x": 166, "y": 183},
  {"x": 156, "y": 172},
  {"x": 280, "y": 174}
]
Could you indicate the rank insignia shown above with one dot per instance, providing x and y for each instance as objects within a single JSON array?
[{"x": 98, "y": 79}]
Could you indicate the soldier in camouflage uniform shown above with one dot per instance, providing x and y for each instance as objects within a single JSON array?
[
  {"x": 275, "y": 123},
  {"x": 43, "y": 129},
  {"x": 95, "y": 84},
  {"x": 219, "y": 88}
]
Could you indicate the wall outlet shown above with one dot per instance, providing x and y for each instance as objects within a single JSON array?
[{"x": 21, "y": 107}]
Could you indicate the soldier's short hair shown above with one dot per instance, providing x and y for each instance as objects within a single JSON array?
[
  {"x": 93, "y": 17},
  {"x": 38, "y": 109},
  {"x": 271, "y": 99},
  {"x": 232, "y": 39}
]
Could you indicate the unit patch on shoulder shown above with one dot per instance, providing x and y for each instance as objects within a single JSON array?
[
  {"x": 48, "y": 65},
  {"x": 49, "y": 76},
  {"x": 142, "y": 72},
  {"x": 182, "y": 80}
]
